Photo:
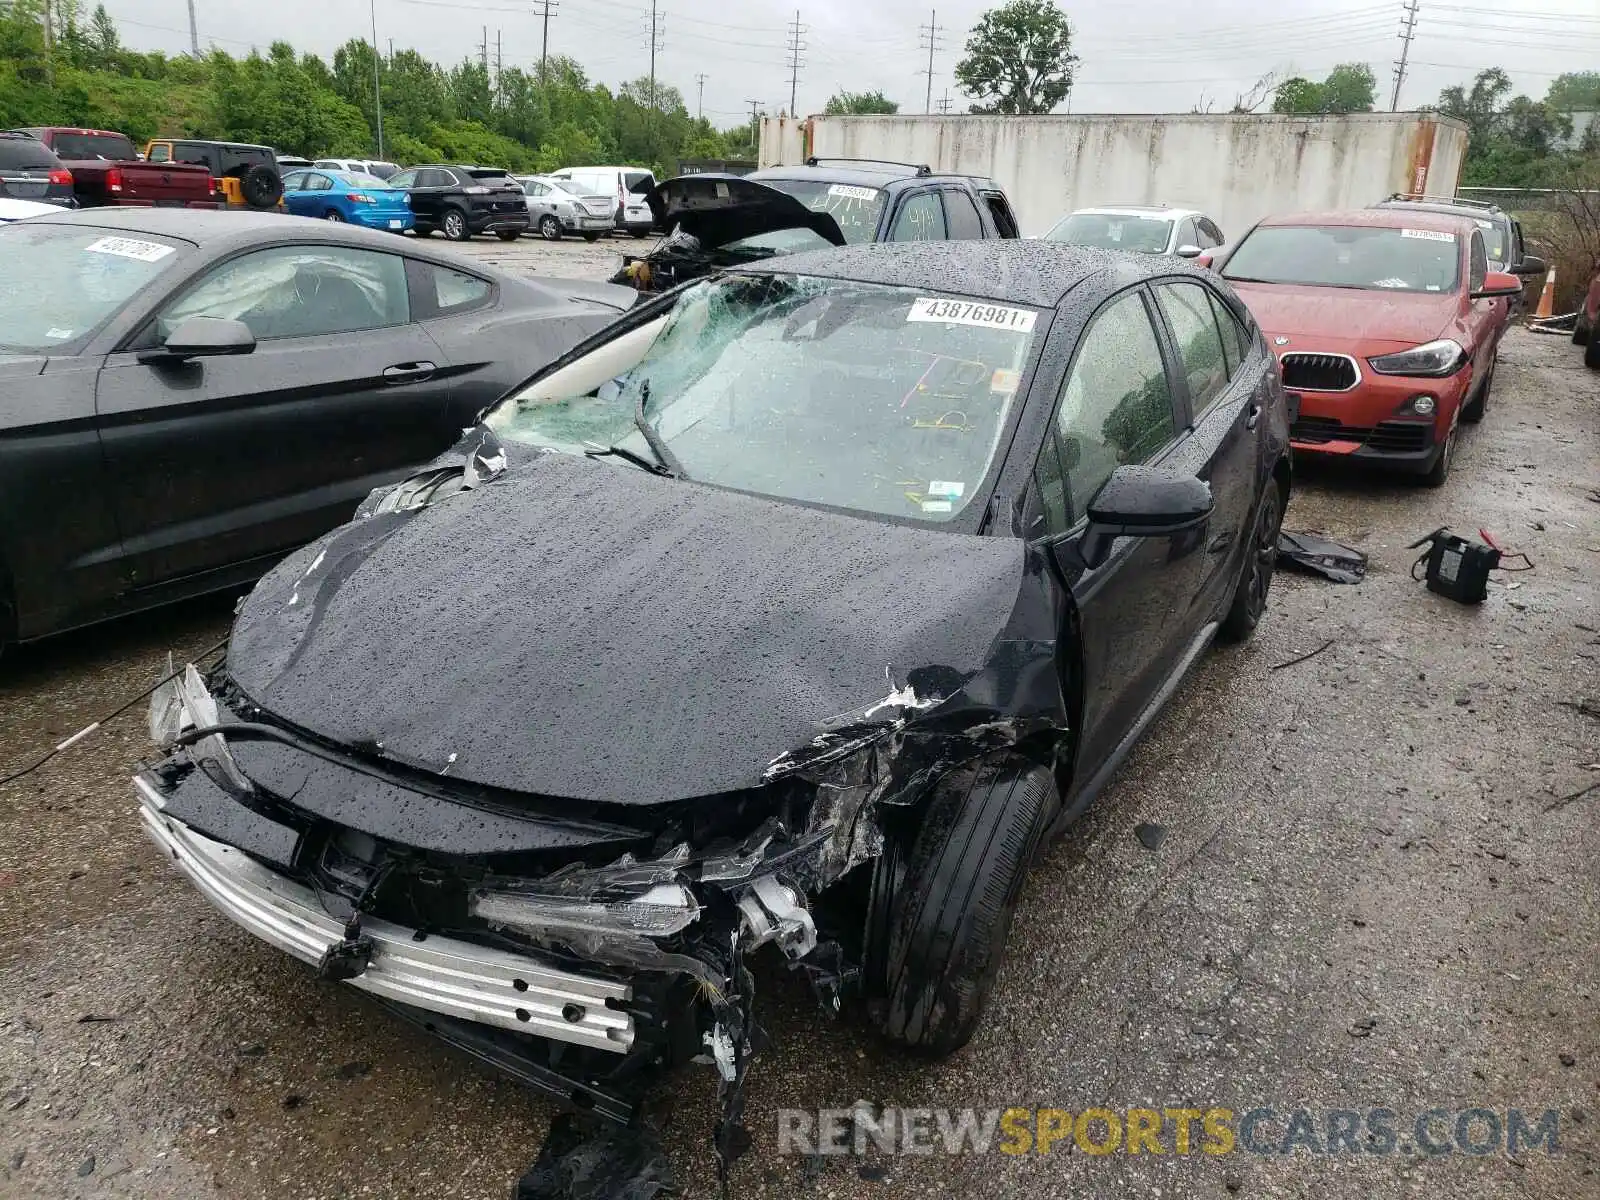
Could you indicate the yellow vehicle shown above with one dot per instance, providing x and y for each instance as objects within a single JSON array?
[{"x": 243, "y": 175}]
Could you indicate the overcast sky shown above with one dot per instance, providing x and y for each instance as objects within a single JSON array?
[{"x": 1132, "y": 60}]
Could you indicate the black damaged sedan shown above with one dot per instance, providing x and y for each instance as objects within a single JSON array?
[{"x": 801, "y": 606}]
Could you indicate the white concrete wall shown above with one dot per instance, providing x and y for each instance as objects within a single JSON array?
[{"x": 1237, "y": 168}]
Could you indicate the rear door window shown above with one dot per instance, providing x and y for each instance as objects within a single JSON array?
[
  {"x": 965, "y": 225},
  {"x": 442, "y": 292},
  {"x": 1194, "y": 330},
  {"x": 921, "y": 219},
  {"x": 1235, "y": 337},
  {"x": 1210, "y": 235},
  {"x": 1000, "y": 212}
]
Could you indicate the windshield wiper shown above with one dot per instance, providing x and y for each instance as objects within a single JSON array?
[
  {"x": 593, "y": 450},
  {"x": 666, "y": 461}
]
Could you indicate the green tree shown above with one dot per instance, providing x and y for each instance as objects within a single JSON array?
[
  {"x": 1576, "y": 91},
  {"x": 846, "y": 103},
  {"x": 1297, "y": 95},
  {"x": 1349, "y": 87},
  {"x": 1019, "y": 59},
  {"x": 1478, "y": 105}
]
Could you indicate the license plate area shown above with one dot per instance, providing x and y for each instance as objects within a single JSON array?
[{"x": 1293, "y": 401}]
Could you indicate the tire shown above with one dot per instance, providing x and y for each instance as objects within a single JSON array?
[
  {"x": 952, "y": 909},
  {"x": 549, "y": 228},
  {"x": 508, "y": 235},
  {"x": 1591, "y": 352},
  {"x": 1255, "y": 577},
  {"x": 334, "y": 215},
  {"x": 1580, "y": 332},
  {"x": 261, "y": 186},
  {"x": 591, "y": 237},
  {"x": 455, "y": 225},
  {"x": 1440, "y": 471},
  {"x": 1472, "y": 411}
]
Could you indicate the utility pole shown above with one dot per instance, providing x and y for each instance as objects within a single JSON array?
[
  {"x": 700, "y": 100},
  {"x": 377, "y": 87},
  {"x": 544, "y": 9},
  {"x": 1406, "y": 34},
  {"x": 928, "y": 38},
  {"x": 655, "y": 44},
  {"x": 755, "y": 125},
  {"x": 483, "y": 50},
  {"x": 194, "y": 33},
  {"x": 944, "y": 103},
  {"x": 795, "y": 61},
  {"x": 499, "y": 64},
  {"x": 49, "y": 45}
]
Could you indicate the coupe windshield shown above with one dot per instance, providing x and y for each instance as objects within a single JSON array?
[
  {"x": 881, "y": 399},
  {"x": 61, "y": 282},
  {"x": 1148, "y": 235},
  {"x": 1348, "y": 256}
]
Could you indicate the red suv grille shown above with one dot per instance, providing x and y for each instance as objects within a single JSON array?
[{"x": 1318, "y": 372}]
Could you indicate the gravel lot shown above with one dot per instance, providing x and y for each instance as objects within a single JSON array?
[{"x": 1373, "y": 892}]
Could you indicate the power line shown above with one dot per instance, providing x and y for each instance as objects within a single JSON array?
[
  {"x": 927, "y": 38},
  {"x": 795, "y": 61},
  {"x": 1406, "y": 35},
  {"x": 544, "y": 9}
]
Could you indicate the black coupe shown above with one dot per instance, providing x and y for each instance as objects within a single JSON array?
[
  {"x": 798, "y": 607},
  {"x": 185, "y": 396}
]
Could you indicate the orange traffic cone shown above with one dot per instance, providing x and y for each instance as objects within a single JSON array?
[{"x": 1547, "y": 298}]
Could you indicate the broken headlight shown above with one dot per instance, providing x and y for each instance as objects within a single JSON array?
[
  {"x": 182, "y": 705},
  {"x": 664, "y": 909}
]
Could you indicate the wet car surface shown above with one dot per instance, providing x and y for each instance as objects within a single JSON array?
[{"x": 1395, "y": 848}]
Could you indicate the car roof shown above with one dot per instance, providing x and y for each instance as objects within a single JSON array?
[
  {"x": 1014, "y": 270},
  {"x": 221, "y": 228},
  {"x": 1377, "y": 218},
  {"x": 183, "y": 141},
  {"x": 1470, "y": 211}
]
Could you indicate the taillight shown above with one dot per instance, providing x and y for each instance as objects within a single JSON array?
[
  {"x": 113, "y": 180},
  {"x": 358, "y": 198},
  {"x": 61, "y": 175}
]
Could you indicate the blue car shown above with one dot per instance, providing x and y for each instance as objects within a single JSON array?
[{"x": 347, "y": 196}]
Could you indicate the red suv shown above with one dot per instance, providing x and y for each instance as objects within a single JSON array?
[{"x": 1384, "y": 324}]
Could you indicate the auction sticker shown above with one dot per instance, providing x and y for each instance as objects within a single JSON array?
[
  {"x": 130, "y": 248},
  {"x": 852, "y": 192},
  {"x": 972, "y": 312},
  {"x": 1428, "y": 235}
]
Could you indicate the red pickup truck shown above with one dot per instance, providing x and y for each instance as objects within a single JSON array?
[{"x": 107, "y": 170}]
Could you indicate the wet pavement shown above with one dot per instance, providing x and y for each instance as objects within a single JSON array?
[{"x": 1377, "y": 889}]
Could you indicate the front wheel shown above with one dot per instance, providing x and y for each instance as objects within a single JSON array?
[
  {"x": 550, "y": 228},
  {"x": 1250, "y": 594},
  {"x": 950, "y": 911},
  {"x": 1440, "y": 471},
  {"x": 455, "y": 226},
  {"x": 1474, "y": 409}
]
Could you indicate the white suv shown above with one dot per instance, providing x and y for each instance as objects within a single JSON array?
[{"x": 629, "y": 185}]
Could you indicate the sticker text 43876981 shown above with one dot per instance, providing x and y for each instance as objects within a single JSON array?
[{"x": 973, "y": 312}]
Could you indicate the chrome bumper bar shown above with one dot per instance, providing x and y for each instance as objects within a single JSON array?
[{"x": 442, "y": 975}]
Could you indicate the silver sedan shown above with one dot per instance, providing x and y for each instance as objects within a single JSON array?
[{"x": 554, "y": 209}]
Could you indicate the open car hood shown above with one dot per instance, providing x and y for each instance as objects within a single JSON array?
[{"x": 718, "y": 209}]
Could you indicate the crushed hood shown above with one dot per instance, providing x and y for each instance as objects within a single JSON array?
[
  {"x": 586, "y": 630},
  {"x": 1361, "y": 320},
  {"x": 718, "y": 209}
]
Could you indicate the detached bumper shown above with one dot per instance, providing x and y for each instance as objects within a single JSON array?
[{"x": 441, "y": 975}]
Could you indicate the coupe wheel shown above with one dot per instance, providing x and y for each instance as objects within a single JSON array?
[
  {"x": 455, "y": 226},
  {"x": 950, "y": 908},
  {"x": 549, "y": 228},
  {"x": 1255, "y": 579}
]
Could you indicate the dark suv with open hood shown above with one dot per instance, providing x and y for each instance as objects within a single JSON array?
[
  {"x": 720, "y": 220},
  {"x": 797, "y": 608}
]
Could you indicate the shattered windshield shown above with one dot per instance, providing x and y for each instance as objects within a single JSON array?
[
  {"x": 62, "y": 281},
  {"x": 881, "y": 399},
  {"x": 1348, "y": 256},
  {"x": 1108, "y": 231}
]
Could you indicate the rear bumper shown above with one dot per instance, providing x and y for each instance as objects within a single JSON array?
[
  {"x": 382, "y": 220},
  {"x": 438, "y": 974},
  {"x": 587, "y": 223},
  {"x": 483, "y": 221}
]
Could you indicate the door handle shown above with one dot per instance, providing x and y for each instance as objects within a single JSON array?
[
  {"x": 413, "y": 372},
  {"x": 1254, "y": 417}
]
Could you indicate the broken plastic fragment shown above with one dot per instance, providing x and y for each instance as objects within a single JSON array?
[
  {"x": 772, "y": 911},
  {"x": 660, "y": 912},
  {"x": 721, "y": 1046}
]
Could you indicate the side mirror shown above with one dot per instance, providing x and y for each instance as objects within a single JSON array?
[
  {"x": 1143, "y": 502},
  {"x": 1531, "y": 264},
  {"x": 1498, "y": 283},
  {"x": 1187, "y": 251},
  {"x": 202, "y": 337}
]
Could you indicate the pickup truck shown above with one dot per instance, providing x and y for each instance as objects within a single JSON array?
[{"x": 107, "y": 170}]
